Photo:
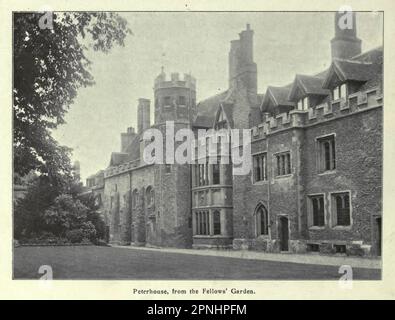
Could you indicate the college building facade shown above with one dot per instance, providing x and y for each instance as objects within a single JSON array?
[{"x": 316, "y": 153}]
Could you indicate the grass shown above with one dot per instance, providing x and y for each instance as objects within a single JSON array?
[{"x": 92, "y": 262}]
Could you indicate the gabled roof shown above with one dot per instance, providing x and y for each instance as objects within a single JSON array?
[
  {"x": 206, "y": 109},
  {"x": 227, "y": 109},
  {"x": 203, "y": 121},
  {"x": 278, "y": 95},
  {"x": 350, "y": 70},
  {"x": 133, "y": 149},
  {"x": 308, "y": 85},
  {"x": 374, "y": 55}
]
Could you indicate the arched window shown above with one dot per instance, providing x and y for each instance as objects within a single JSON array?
[
  {"x": 261, "y": 221},
  {"x": 135, "y": 196},
  {"x": 150, "y": 196}
]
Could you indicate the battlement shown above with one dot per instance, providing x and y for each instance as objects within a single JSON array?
[
  {"x": 174, "y": 80},
  {"x": 124, "y": 167},
  {"x": 356, "y": 102}
]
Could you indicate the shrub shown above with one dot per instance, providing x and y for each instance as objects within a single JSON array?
[
  {"x": 89, "y": 231},
  {"x": 75, "y": 236}
]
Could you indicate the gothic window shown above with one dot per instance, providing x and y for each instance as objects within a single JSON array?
[
  {"x": 261, "y": 221},
  {"x": 260, "y": 167},
  {"x": 217, "y": 222},
  {"x": 283, "y": 163},
  {"x": 317, "y": 211},
  {"x": 341, "y": 209},
  {"x": 135, "y": 196},
  {"x": 327, "y": 155},
  {"x": 150, "y": 196}
]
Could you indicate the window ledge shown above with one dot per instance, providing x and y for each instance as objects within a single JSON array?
[
  {"x": 342, "y": 227},
  {"x": 203, "y": 236},
  {"x": 339, "y": 100},
  {"x": 212, "y": 186},
  {"x": 284, "y": 176},
  {"x": 260, "y": 183},
  {"x": 317, "y": 228},
  {"x": 263, "y": 237},
  {"x": 327, "y": 172}
]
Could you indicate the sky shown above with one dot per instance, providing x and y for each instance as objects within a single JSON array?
[{"x": 285, "y": 44}]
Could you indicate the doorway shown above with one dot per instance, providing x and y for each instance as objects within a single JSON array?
[
  {"x": 284, "y": 233},
  {"x": 378, "y": 235}
]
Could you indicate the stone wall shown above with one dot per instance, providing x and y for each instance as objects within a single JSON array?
[{"x": 357, "y": 126}]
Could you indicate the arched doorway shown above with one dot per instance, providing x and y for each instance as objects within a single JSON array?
[{"x": 283, "y": 228}]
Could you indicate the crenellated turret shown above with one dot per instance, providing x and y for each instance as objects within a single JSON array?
[{"x": 175, "y": 97}]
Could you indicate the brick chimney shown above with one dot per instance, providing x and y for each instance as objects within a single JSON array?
[
  {"x": 345, "y": 44},
  {"x": 242, "y": 68}
]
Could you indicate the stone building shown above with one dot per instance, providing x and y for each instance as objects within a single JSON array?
[{"x": 316, "y": 179}]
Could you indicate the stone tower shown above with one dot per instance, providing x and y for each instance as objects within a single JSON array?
[
  {"x": 175, "y": 98},
  {"x": 175, "y": 105},
  {"x": 345, "y": 44}
]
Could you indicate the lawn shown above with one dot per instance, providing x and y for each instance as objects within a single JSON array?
[{"x": 92, "y": 262}]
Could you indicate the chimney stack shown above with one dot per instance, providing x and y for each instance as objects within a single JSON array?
[
  {"x": 242, "y": 68},
  {"x": 143, "y": 115},
  {"x": 345, "y": 44},
  {"x": 127, "y": 138}
]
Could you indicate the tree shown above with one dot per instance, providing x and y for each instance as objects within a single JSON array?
[{"x": 49, "y": 67}]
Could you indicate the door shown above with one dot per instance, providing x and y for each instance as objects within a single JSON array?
[
  {"x": 284, "y": 233},
  {"x": 378, "y": 236},
  {"x": 107, "y": 234}
]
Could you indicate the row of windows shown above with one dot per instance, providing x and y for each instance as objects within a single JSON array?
[
  {"x": 203, "y": 222},
  {"x": 283, "y": 165},
  {"x": 341, "y": 212},
  {"x": 202, "y": 175},
  {"x": 340, "y": 204},
  {"x": 168, "y": 101},
  {"x": 149, "y": 197},
  {"x": 337, "y": 93},
  {"x": 326, "y": 160}
]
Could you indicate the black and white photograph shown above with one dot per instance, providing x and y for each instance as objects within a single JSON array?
[{"x": 196, "y": 145}]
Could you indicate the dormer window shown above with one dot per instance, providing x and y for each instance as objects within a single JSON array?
[
  {"x": 339, "y": 92},
  {"x": 303, "y": 103}
]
